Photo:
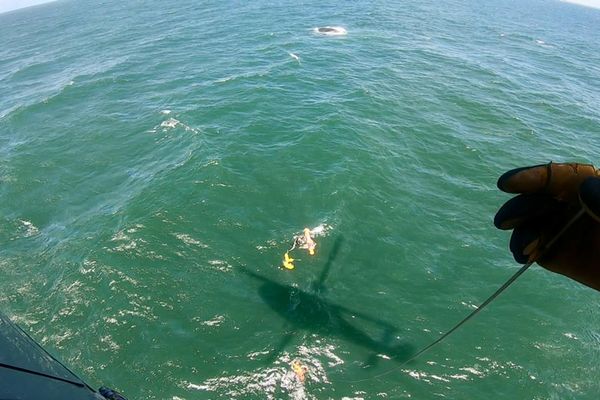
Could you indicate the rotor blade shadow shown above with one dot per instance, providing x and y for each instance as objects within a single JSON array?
[
  {"x": 337, "y": 244},
  {"x": 307, "y": 312}
]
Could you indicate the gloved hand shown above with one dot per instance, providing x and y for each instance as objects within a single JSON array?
[{"x": 549, "y": 196}]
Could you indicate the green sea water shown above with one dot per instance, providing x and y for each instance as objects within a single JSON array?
[{"x": 158, "y": 157}]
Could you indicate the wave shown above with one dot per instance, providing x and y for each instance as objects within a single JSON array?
[
  {"x": 246, "y": 75},
  {"x": 50, "y": 88},
  {"x": 172, "y": 123},
  {"x": 270, "y": 382},
  {"x": 330, "y": 30}
]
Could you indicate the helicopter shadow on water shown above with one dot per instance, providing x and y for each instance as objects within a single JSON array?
[{"x": 308, "y": 311}]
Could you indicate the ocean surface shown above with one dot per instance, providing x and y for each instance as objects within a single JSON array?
[{"x": 157, "y": 159}]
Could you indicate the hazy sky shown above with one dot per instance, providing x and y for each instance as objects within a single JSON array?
[{"x": 8, "y": 5}]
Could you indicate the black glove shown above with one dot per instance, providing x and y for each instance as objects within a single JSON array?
[{"x": 549, "y": 197}]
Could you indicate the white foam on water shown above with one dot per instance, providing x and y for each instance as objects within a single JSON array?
[
  {"x": 571, "y": 336},
  {"x": 226, "y": 79},
  {"x": 472, "y": 370},
  {"x": 187, "y": 239},
  {"x": 220, "y": 265},
  {"x": 58, "y": 339},
  {"x": 88, "y": 266},
  {"x": 269, "y": 382},
  {"x": 321, "y": 230},
  {"x": 294, "y": 56},
  {"x": 256, "y": 354},
  {"x": 216, "y": 321},
  {"x": 541, "y": 43},
  {"x": 172, "y": 123},
  {"x": 122, "y": 237},
  {"x": 30, "y": 229},
  {"x": 109, "y": 342}
]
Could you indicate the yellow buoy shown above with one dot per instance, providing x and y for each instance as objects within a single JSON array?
[{"x": 288, "y": 262}]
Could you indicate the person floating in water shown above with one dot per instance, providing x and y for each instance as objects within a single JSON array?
[
  {"x": 300, "y": 370},
  {"x": 305, "y": 241}
]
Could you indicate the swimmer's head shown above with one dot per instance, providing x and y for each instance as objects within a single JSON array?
[{"x": 306, "y": 231}]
